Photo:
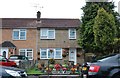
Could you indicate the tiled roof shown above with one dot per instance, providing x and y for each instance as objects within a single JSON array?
[
  {"x": 7, "y": 44},
  {"x": 32, "y": 23}
]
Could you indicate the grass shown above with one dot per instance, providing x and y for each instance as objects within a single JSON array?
[{"x": 34, "y": 71}]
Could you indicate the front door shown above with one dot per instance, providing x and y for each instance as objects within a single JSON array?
[
  {"x": 4, "y": 52},
  {"x": 72, "y": 55}
]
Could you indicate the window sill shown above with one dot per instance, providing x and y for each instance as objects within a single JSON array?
[
  {"x": 18, "y": 40},
  {"x": 47, "y": 39}
]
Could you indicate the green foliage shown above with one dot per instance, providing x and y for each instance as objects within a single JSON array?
[
  {"x": 104, "y": 30},
  {"x": 87, "y": 37},
  {"x": 116, "y": 45}
]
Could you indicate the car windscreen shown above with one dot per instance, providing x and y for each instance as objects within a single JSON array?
[
  {"x": 104, "y": 58},
  {"x": 16, "y": 58}
]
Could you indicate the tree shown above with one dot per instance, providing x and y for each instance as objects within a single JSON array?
[
  {"x": 86, "y": 40},
  {"x": 104, "y": 30}
]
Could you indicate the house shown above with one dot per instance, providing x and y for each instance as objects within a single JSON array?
[{"x": 41, "y": 38}]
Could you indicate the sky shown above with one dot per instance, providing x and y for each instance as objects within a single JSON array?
[{"x": 48, "y": 8}]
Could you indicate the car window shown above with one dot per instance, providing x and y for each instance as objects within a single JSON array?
[
  {"x": 18, "y": 57},
  {"x": 13, "y": 58},
  {"x": 104, "y": 59}
]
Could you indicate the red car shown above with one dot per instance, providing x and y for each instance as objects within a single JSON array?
[{"x": 5, "y": 62}]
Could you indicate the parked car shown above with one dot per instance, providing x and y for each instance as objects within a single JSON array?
[
  {"x": 5, "y": 62},
  {"x": 105, "y": 67},
  {"x": 11, "y": 72},
  {"x": 18, "y": 59}
]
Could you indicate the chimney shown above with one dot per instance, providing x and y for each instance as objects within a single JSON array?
[{"x": 38, "y": 15}]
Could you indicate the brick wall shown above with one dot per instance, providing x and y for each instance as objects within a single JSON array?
[
  {"x": 30, "y": 41},
  {"x": 61, "y": 40}
]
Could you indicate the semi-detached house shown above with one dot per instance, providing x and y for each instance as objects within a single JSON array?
[{"x": 40, "y": 39}]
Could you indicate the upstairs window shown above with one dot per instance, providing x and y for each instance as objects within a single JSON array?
[
  {"x": 19, "y": 34},
  {"x": 47, "y": 33},
  {"x": 72, "y": 33}
]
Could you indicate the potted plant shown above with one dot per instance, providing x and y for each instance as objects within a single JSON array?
[
  {"x": 38, "y": 58},
  {"x": 51, "y": 50},
  {"x": 51, "y": 66},
  {"x": 51, "y": 61},
  {"x": 78, "y": 55},
  {"x": 65, "y": 51},
  {"x": 64, "y": 55},
  {"x": 39, "y": 66},
  {"x": 38, "y": 53},
  {"x": 42, "y": 64},
  {"x": 72, "y": 70}
]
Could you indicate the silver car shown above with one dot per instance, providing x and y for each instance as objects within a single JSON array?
[{"x": 18, "y": 59}]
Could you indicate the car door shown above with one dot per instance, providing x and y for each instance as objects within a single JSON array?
[
  {"x": 4, "y": 61},
  {"x": 7, "y": 62}
]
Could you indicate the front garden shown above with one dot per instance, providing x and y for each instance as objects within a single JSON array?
[{"x": 54, "y": 68}]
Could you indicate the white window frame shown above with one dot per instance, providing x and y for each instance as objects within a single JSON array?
[
  {"x": 74, "y": 34},
  {"x": 27, "y": 52},
  {"x": 46, "y": 36},
  {"x": 54, "y": 51},
  {"x": 19, "y": 36}
]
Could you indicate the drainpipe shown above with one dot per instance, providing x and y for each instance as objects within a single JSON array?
[
  {"x": 36, "y": 43},
  {"x": 38, "y": 21}
]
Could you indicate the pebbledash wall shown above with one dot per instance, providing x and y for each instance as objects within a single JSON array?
[{"x": 41, "y": 36}]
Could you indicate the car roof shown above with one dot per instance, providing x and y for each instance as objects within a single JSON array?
[
  {"x": 114, "y": 55},
  {"x": 17, "y": 55}
]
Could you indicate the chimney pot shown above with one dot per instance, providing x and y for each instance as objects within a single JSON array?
[{"x": 38, "y": 15}]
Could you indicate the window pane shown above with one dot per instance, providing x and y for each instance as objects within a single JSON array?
[
  {"x": 29, "y": 55},
  {"x": 15, "y": 34},
  {"x": 49, "y": 56},
  {"x": 29, "y": 49},
  {"x": 72, "y": 33},
  {"x": 43, "y": 53},
  {"x": 22, "y": 30},
  {"x": 22, "y": 35},
  {"x": 43, "y": 33},
  {"x": 22, "y": 50},
  {"x": 22, "y": 53},
  {"x": 58, "y": 53},
  {"x": 51, "y": 34},
  {"x": 58, "y": 49}
]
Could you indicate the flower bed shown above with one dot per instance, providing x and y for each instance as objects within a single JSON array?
[
  {"x": 62, "y": 69},
  {"x": 56, "y": 69}
]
